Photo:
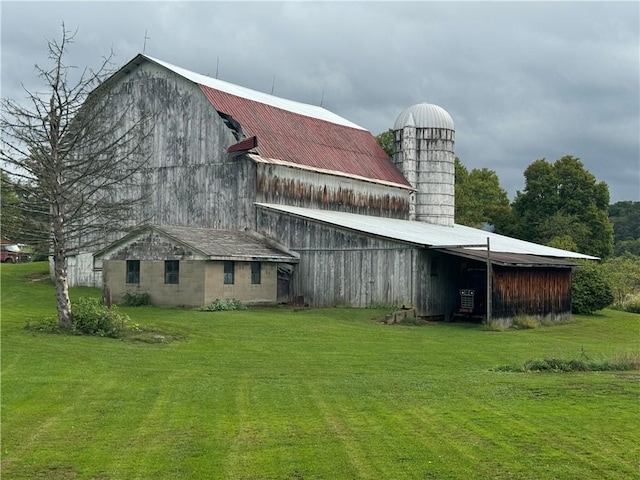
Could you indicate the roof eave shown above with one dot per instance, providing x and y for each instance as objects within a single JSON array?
[{"x": 284, "y": 163}]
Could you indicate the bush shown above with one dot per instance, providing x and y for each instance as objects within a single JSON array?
[
  {"x": 632, "y": 305},
  {"x": 136, "y": 299},
  {"x": 223, "y": 305},
  {"x": 91, "y": 317},
  {"x": 590, "y": 290}
]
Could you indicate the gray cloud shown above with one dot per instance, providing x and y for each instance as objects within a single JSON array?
[{"x": 522, "y": 80}]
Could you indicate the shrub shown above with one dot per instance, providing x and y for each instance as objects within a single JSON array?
[
  {"x": 91, "y": 317},
  {"x": 136, "y": 299},
  {"x": 590, "y": 289},
  {"x": 223, "y": 305},
  {"x": 632, "y": 305}
]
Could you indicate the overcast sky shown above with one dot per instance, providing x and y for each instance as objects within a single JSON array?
[{"x": 522, "y": 80}]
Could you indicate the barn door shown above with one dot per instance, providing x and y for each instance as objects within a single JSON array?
[{"x": 285, "y": 274}]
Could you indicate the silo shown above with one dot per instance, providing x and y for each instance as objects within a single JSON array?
[{"x": 423, "y": 151}]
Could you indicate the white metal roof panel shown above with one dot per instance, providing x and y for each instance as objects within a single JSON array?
[
  {"x": 305, "y": 109},
  {"x": 425, "y": 234}
]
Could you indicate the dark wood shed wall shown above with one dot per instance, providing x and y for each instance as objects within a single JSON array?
[{"x": 531, "y": 291}]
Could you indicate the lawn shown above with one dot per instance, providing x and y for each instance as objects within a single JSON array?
[{"x": 274, "y": 393}]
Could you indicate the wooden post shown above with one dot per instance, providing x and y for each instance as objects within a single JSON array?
[{"x": 489, "y": 281}]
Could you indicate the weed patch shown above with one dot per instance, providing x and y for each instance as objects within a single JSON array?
[
  {"x": 223, "y": 305},
  {"x": 619, "y": 363},
  {"x": 136, "y": 299}
]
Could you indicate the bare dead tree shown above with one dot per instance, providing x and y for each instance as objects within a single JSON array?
[{"x": 75, "y": 151}]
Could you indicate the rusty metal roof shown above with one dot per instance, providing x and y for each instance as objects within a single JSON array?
[
  {"x": 510, "y": 259},
  {"x": 308, "y": 141}
]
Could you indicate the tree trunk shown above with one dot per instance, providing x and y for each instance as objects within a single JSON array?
[
  {"x": 60, "y": 279},
  {"x": 62, "y": 290}
]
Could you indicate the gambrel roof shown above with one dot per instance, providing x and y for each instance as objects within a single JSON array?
[{"x": 294, "y": 133}]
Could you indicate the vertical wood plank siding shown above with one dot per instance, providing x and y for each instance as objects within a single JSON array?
[
  {"x": 531, "y": 291},
  {"x": 340, "y": 267}
]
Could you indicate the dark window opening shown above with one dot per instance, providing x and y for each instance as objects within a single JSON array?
[
  {"x": 228, "y": 273},
  {"x": 255, "y": 273},
  {"x": 133, "y": 271},
  {"x": 172, "y": 271},
  {"x": 434, "y": 267}
]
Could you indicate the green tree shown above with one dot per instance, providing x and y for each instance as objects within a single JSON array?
[
  {"x": 623, "y": 275},
  {"x": 24, "y": 217},
  {"x": 626, "y": 246},
  {"x": 480, "y": 199},
  {"x": 10, "y": 216},
  {"x": 590, "y": 290},
  {"x": 563, "y": 204},
  {"x": 625, "y": 217},
  {"x": 385, "y": 140}
]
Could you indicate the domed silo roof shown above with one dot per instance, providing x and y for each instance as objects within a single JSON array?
[{"x": 424, "y": 115}]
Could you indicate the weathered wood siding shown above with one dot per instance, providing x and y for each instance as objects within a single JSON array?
[
  {"x": 303, "y": 188},
  {"x": 531, "y": 291},
  {"x": 341, "y": 267},
  {"x": 190, "y": 180}
]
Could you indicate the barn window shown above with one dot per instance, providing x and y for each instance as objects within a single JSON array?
[
  {"x": 133, "y": 271},
  {"x": 172, "y": 271},
  {"x": 228, "y": 273},
  {"x": 255, "y": 273}
]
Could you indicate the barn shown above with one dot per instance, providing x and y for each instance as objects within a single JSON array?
[{"x": 353, "y": 226}]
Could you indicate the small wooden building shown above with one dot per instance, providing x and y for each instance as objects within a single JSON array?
[
  {"x": 194, "y": 266},
  {"x": 519, "y": 285}
]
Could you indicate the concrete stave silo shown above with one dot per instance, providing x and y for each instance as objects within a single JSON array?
[{"x": 424, "y": 137}]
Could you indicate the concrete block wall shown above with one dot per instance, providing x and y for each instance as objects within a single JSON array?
[
  {"x": 188, "y": 292},
  {"x": 242, "y": 289}
]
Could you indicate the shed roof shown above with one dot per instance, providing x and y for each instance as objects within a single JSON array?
[
  {"x": 213, "y": 243},
  {"x": 510, "y": 259},
  {"x": 303, "y": 134},
  {"x": 424, "y": 234}
]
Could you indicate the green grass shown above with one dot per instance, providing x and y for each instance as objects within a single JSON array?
[{"x": 274, "y": 393}]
